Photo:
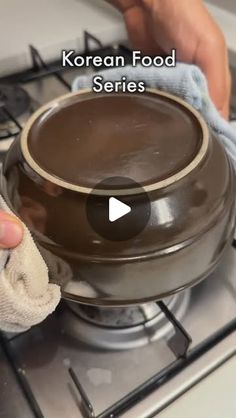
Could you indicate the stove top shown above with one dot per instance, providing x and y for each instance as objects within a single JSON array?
[
  {"x": 63, "y": 373},
  {"x": 105, "y": 363}
]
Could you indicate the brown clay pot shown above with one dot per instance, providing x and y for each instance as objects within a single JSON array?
[{"x": 158, "y": 141}]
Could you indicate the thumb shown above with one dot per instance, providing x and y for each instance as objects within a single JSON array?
[{"x": 11, "y": 230}]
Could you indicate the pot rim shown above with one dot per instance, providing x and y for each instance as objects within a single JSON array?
[
  {"x": 116, "y": 192},
  {"x": 101, "y": 301}
]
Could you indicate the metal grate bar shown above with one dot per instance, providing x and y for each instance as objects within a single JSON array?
[
  {"x": 10, "y": 116},
  {"x": 85, "y": 400},
  {"x": 39, "y": 63},
  {"x": 22, "y": 379},
  {"x": 180, "y": 342}
]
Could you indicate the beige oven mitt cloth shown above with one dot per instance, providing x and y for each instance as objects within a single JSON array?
[{"x": 26, "y": 296}]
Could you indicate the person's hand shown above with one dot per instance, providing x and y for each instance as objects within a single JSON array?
[
  {"x": 11, "y": 230},
  {"x": 156, "y": 26}
]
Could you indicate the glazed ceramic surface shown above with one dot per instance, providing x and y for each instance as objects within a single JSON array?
[{"x": 77, "y": 141}]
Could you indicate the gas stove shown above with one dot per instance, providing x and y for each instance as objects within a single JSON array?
[
  {"x": 92, "y": 362},
  {"x": 128, "y": 362}
]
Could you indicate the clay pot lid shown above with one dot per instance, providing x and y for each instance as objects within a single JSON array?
[{"x": 81, "y": 139}]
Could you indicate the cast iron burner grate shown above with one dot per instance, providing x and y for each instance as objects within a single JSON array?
[
  {"x": 179, "y": 344},
  {"x": 15, "y": 101}
]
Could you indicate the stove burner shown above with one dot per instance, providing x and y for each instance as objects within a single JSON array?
[
  {"x": 122, "y": 328},
  {"x": 15, "y": 99},
  {"x": 122, "y": 317}
]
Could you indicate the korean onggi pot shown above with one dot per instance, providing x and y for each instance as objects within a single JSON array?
[{"x": 168, "y": 167}]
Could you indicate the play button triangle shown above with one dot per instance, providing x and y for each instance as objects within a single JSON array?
[{"x": 117, "y": 209}]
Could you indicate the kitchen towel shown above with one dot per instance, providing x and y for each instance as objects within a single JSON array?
[
  {"x": 186, "y": 81},
  {"x": 26, "y": 296}
]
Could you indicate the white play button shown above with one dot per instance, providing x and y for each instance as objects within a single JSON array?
[
  {"x": 117, "y": 209},
  {"x": 117, "y": 216}
]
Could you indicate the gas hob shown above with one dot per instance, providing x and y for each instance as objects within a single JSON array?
[
  {"x": 132, "y": 362},
  {"x": 66, "y": 368}
]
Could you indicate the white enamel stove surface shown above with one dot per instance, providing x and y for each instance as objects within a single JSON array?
[
  {"x": 51, "y": 26},
  {"x": 59, "y": 24}
]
